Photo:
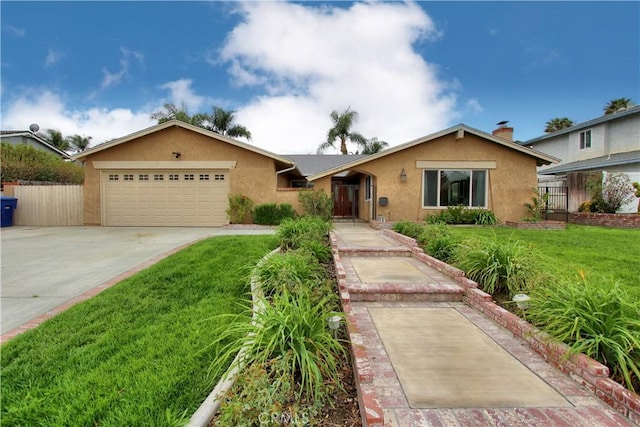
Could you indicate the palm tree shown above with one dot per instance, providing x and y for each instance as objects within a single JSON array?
[
  {"x": 55, "y": 138},
  {"x": 341, "y": 130},
  {"x": 616, "y": 105},
  {"x": 557, "y": 124},
  {"x": 171, "y": 112},
  {"x": 373, "y": 146},
  {"x": 79, "y": 143},
  {"x": 223, "y": 122}
]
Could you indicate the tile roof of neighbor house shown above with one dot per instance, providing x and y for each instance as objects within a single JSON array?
[
  {"x": 542, "y": 158},
  {"x": 589, "y": 123},
  {"x": 177, "y": 123},
  {"x": 309, "y": 164},
  {"x": 29, "y": 134},
  {"x": 616, "y": 159}
]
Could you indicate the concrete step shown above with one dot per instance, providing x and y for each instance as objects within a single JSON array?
[
  {"x": 375, "y": 252},
  {"x": 433, "y": 292}
]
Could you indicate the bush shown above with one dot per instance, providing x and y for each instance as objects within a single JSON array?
[
  {"x": 438, "y": 241},
  {"x": 293, "y": 271},
  {"x": 499, "y": 266},
  {"x": 608, "y": 194},
  {"x": 316, "y": 203},
  {"x": 293, "y": 232},
  {"x": 408, "y": 228},
  {"x": 23, "y": 162},
  {"x": 272, "y": 214},
  {"x": 601, "y": 320},
  {"x": 462, "y": 215},
  {"x": 239, "y": 207}
]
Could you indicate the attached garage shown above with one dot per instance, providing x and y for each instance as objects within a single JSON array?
[
  {"x": 174, "y": 174},
  {"x": 165, "y": 197}
]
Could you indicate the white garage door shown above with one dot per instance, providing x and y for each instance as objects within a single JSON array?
[{"x": 165, "y": 198}]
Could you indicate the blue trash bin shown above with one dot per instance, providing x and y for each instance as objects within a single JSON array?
[{"x": 9, "y": 204}]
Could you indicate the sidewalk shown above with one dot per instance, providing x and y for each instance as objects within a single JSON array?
[{"x": 425, "y": 358}]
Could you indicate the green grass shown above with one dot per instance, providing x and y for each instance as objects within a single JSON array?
[
  {"x": 601, "y": 253},
  {"x": 133, "y": 354}
]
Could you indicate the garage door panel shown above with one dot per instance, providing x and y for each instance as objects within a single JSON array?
[{"x": 171, "y": 198}]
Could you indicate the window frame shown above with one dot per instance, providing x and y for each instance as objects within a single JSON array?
[
  {"x": 585, "y": 139},
  {"x": 368, "y": 184},
  {"x": 439, "y": 171}
]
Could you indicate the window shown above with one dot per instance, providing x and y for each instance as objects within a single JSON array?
[
  {"x": 454, "y": 187},
  {"x": 585, "y": 139},
  {"x": 143, "y": 177},
  {"x": 188, "y": 177},
  {"x": 367, "y": 187},
  {"x": 174, "y": 177},
  {"x": 204, "y": 177},
  {"x": 218, "y": 177},
  {"x": 128, "y": 177},
  {"x": 114, "y": 177},
  {"x": 158, "y": 177}
]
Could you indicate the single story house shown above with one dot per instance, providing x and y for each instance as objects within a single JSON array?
[
  {"x": 177, "y": 174},
  {"x": 32, "y": 139}
]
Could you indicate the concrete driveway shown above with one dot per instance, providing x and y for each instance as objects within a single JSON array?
[{"x": 44, "y": 267}]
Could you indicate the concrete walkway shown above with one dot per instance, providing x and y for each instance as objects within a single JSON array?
[{"x": 432, "y": 360}]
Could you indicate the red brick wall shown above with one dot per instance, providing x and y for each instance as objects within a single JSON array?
[{"x": 605, "y": 220}]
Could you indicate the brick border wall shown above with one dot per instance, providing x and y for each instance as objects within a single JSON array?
[
  {"x": 605, "y": 220},
  {"x": 586, "y": 371}
]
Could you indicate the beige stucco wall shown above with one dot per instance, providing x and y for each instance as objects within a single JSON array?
[
  {"x": 254, "y": 174},
  {"x": 510, "y": 183}
]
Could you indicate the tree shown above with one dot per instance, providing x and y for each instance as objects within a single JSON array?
[
  {"x": 79, "y": 143},
  {"x": 223, "y": 122},
  {"x": 55, "y": 138},
  {"x": 557, "y": 124},
  {"x": 341, "y": 130},
  {"x": 616, "y": 105},
  {"x": 220, "y": 121},
  {"x": 373, "y": 146}
]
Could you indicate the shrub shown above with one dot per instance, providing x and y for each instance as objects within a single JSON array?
[
  {"x": 438, "y": 241},
  {"x": 293, "y": 270},
  {"x": 537, "y": 206},
  {"x": 608, "y": 194},
  {"x": 293, "y": 232},
  {"x": 499, "y": 266},
  {"x": 316, "y": 203},
  {"x": 408, "y": 228},
  {"x": 462, "y": 215},
  {"x": 292, "y": 328},
  {"x": 272, "y": 214},
  {"x": 23, "y": 162},
  {"x": 601, "y": 320},
  {"x": 239, "y": 207}
]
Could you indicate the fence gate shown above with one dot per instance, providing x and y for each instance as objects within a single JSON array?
[{"x": 557, "y": 206}]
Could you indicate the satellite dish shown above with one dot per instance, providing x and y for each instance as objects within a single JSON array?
[{"x": 34, "y": 128}]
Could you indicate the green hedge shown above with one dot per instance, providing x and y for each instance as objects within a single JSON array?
[
  {"x": 272, "y": 214},
  {"x": 23, "y": 162}
]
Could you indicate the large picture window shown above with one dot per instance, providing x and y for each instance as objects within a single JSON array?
[{"x": 444, "y": 188}]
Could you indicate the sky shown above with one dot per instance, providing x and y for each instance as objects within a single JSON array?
[{"x": 409, "y": 69}]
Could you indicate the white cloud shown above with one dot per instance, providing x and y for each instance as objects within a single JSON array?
[
  {"x": 474, "y": 106},
  {"x": 15, "y": 31},
  {"x": 52, "y": 57},
  {"x": 312, "y": 60},
  {"x": 181, "y": 93},
  {"x": 112, "y": 79},
  {"x": 48, "y": 110}
]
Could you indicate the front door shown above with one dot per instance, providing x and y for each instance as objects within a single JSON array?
[{"x": 345, "y": 200}]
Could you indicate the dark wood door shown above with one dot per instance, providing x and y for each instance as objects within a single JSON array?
[{"x": 345, "y": 200}]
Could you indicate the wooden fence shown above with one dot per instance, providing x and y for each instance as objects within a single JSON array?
[{"x": 48, "y": 205}]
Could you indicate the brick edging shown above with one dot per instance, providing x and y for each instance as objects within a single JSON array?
[{"x": 370, "y": 409}]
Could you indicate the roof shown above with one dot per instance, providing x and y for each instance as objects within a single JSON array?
[
  {"x": 177, "y": 123},
  {"x": 616, "y": 159},
  {"x": 585, "y": 125},
  {"x": 541, "y": 158},
  {"x": 309, "y": 164},
  {"x": 29, "y": 134}
]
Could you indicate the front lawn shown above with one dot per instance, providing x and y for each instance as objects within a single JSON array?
[
  {"x": 610, "y": 253},
  {"x": 132, "y": 355}
]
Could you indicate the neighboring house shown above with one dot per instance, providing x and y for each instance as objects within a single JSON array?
[
  {"x": 608, "y": 143},
  {"x": 29, "y": 138},
  {"x": 178, "y": 174}
]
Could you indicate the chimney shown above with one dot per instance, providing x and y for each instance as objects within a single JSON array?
[{"x": 503, "y": 131}]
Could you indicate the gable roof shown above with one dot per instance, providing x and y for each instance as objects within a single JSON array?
[
  {"x": 617, "y": 159},
  {"x": 178, "y": 123},
  {"x": 584, "y": 125},
  {"x": 541, "y": 158},
  {"x": 309, "y": 164},
  {"x": 34, "y": 136}
]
